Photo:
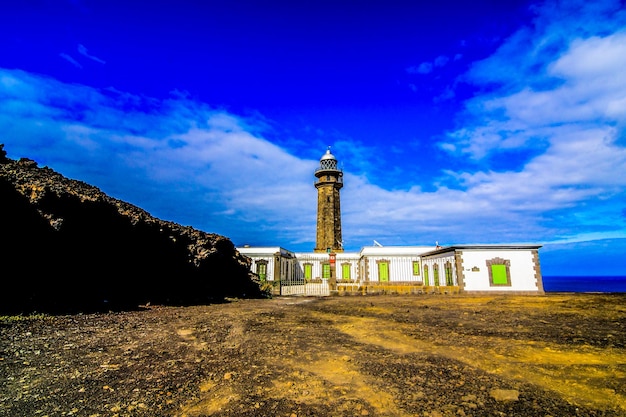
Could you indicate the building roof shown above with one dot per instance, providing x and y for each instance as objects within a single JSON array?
[
  {"x": 379, "y": 250},
  {"x": 263, "y": 250},
  {"x": 479, "y": 247},
  {"x": 323, "y": 255},
  {"x": 395, "y": 250}
]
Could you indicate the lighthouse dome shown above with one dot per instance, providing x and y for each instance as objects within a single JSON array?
[{"x": 328, "y": 155}]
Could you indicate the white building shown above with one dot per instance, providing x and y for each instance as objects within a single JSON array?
[
  {"x": 422, "y": 269},
  {"x": 485, "y": 268},
  {"x": 415, "y": 269}
]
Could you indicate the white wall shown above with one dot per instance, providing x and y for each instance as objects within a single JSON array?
[
  {"x": 400, "y": 268},
  {"x": 353, "y": 260},
  {"x": 269, "y": 273},
  {"x": 317, "y": 259},
  {"x": 268, "y": 254},
  {"x": 522, "y": 270}
]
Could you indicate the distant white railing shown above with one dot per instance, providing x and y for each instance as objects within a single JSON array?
[
  {"x": 318, "y": 289},
  {"x": 292, "y": 289}
]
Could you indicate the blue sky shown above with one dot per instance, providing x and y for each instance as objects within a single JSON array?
[{"x": 454, "y": 122}]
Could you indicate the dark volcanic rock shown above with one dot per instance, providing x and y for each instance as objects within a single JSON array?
[{"x": 69, "y": 247}]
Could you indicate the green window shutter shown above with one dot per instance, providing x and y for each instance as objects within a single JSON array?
[
  {"x": 326, "y": 271},
  {"x": 426, "y": 280},
  {"x": 436, "y": 275},
  {"x": 416, "y": 268},
  {"x": 498, "y": 272},
  {"x": 308, "y": 271},
  {"x": 345, "y": 271},
  {"x": 383, "y": 271},
  {"x": 449, "y": 281}
]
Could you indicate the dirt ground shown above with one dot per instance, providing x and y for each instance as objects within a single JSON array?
[{"x": 422, "y": 355}]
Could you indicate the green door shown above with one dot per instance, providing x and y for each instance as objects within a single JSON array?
[
  {"x": 308, "y": 271},
  {"x": 326, "y": 271},
  {"x": 416, "y": 268},
  {"x": 498, "y": 272},
  {"x": 262, "y": 271},
  {"x": 383, "y": 271},
  {"x": 449, "y": 280},
  {"x": 345, "y": 271}
]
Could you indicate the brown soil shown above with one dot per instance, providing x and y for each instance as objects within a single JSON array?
[{"x": 435, "y": 355}]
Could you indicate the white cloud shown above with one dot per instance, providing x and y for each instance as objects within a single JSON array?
[
  {"x": 208, "y": 166},
  {"x": 594, "y": 57},
  {"x": 521, "y": 60},
  {"x": 447, "y": 94},
  {"x": 213, "y": 152},
  {"x": 71, "y": 60},
  {"x": 428, "y": 67},
  {"x": 83, "y": 51},
  {"x": 593, "y": 88},
  {"x": 423, "y": 68},
  {"x": 588, "y": 94},
  {"x": 441, "y": 60},
  {"x": 566, "y": 110}
]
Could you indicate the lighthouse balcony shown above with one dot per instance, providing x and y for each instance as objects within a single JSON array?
[
  {"x": 329, "y": 178},
  {"x": 331, "y": 171}
]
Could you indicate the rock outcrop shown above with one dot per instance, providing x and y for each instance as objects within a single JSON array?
[{"x": 68, "y": 247}]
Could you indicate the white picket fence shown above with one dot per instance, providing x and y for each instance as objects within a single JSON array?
[
  {"x": 293, "y": 289},
  {"x": 319, "y": 289},
  {"x": 309, "y": 289}
]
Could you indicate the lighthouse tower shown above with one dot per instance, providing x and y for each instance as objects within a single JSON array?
[{"x": 329, "y": 180}]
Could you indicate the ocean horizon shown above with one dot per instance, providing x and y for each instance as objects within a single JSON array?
[{"x": 604, "y": 284}]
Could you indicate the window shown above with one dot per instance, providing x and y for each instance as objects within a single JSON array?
[
  {"x": 499, "y": 272},
  {"x": 426, "y": 280},
  {"x": 308, "y": 271},
  {"x": 436, "y": 274},
  {"x": 383, "y": 271},
  {"x": 326, "y": 270},
  {"x": 448, "y": 270},
  {"x": 345, "y": 271},
  {"x": 261, "y": 270},
  {"x": 416, "y": 268}
]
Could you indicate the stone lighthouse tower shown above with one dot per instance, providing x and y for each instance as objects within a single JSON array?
[{"x": 329, "y": 180}]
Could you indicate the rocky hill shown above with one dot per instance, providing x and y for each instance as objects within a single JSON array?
[{"x": 68, "y": 247}]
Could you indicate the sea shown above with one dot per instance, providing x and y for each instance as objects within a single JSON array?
[{"x": 604, "y": 284}]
